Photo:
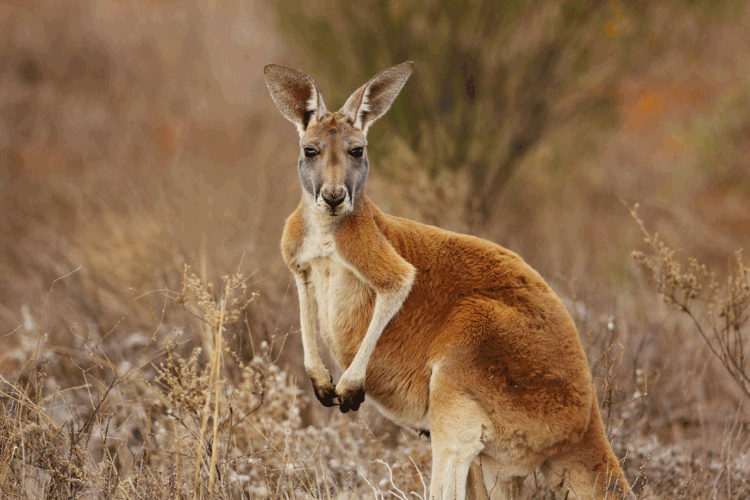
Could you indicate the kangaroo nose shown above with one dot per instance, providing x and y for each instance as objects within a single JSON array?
[{"x": 333, "y": 195}]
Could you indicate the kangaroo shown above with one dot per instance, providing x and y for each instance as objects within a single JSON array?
[{"x": 448, "y": 334}]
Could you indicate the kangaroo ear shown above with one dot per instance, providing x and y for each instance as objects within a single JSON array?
[
  {"x": 295, "y": 94},
  {"x": 373, "y": 99}
]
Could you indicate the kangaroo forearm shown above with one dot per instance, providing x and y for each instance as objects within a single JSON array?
[
  {"x": 386, "y": 307},
  {"x": 314, "y": 366}
]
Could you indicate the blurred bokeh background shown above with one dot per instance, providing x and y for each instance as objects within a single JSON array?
[{"x": 137, "y": 137}]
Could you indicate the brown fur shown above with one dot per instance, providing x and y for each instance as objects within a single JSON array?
[{"x": 474, "y": 346}]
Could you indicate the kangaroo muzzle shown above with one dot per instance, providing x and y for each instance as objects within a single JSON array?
[{"x": 334, "y": 196}]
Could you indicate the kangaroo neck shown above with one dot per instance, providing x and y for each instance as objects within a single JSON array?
[{"x": 319, "y": 222}]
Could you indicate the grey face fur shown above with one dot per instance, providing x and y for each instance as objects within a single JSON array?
[{"x": 333, "y": 164}]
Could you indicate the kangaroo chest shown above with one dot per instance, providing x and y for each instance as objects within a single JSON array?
[
  {"x": 344, "y": 302},
  {"x": 343, "y": 309}
]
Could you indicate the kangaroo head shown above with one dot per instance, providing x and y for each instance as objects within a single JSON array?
[{"x": 333, "y": 164}]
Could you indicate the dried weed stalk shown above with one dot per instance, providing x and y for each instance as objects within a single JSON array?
[
  {"x": 216, "y": 315},
  {"x": 720, "y": 310}
]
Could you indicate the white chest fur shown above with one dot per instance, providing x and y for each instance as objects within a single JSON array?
[
  {"x": 319, "y": 243},
  {"x": 340, "y": 297}
]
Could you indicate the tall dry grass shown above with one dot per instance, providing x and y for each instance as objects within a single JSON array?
[{"x": 139, "y": 137}]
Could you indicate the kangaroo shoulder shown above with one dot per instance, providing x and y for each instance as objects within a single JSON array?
[
  {"x": 363, "y": 245},
  {"x": 293, "y": 238}
]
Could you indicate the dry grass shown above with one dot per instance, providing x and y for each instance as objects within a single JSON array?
[
  {"x": 138, "y": 137},
  {"x": 188, "y": 426}
]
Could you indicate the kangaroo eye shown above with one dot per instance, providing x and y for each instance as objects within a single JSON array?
[
  {"x": 310, "y": 152},
  {"x": 357, "y": 152}
]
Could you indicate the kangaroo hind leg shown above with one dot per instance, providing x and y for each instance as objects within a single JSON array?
[{"x": 458, "y": 425}]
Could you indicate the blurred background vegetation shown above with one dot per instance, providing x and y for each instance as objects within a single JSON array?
[{"x": 136, "y": 137}]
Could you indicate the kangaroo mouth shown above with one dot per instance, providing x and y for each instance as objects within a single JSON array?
[{"x": 338, "y": 211}]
